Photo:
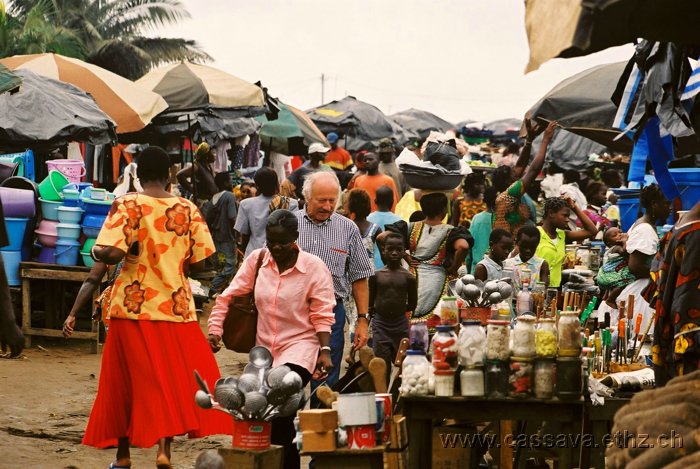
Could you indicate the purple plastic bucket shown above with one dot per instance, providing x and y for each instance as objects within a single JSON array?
[
  {"x": 18, "y": 203},
  {"x": 47, "y": 255}
]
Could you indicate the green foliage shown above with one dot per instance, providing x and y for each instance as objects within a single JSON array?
[{"x": 114, "y": 34}]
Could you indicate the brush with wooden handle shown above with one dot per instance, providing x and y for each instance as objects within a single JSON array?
[{"x": 377, "y": 368}]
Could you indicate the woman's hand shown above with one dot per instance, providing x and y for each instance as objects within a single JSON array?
[
  {"x": 68, "y": 326},
  {"x": 323, "y": 365},
  {"x": 570, "y": 202},
  {"x": 214, "y": 342}
]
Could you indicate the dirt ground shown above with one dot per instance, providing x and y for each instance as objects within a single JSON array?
[{"x": 45, "y": 400}]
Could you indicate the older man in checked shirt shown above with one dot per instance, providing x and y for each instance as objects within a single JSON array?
[{"x": 337, "y": 241}]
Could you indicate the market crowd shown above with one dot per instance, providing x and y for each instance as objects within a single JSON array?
[{"x": 332, "y": 242}]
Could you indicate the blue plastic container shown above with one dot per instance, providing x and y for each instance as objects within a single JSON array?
[
  {"x": 15, "y": 232},
  {"x": 92, "y": 224},
  {"x": 70, "y": 214},
  {"x": 628, "y": 202},
  {"x": 67, "y": 252},
  {"x": 688, "y": 182},
  {"x": 11, "y": 260},
  {"x": 70, "y": 231}
]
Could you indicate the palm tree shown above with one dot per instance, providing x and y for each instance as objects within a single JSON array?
[
  {"x": 35, "y": 34},
  {"x": 113, "y": 32}
]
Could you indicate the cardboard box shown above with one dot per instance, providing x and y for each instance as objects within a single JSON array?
[
  {"x": 316, "y": 442},
  {"x": 235, "y": 458},
  {"x": 318, "y": 420}
]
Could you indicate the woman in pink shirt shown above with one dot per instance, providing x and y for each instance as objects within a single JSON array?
[{"x": 295, "y": 298}]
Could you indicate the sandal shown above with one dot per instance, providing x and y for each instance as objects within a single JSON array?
[{"x": 113, "y": 465}]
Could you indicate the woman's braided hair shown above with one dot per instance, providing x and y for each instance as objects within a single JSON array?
[{"x": 553, "y": 205}]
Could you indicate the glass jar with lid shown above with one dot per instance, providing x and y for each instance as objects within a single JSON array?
[
  {"x": 538, "y": 295},
  {"x": 496, "y": 378},
  {"x": 471, "y": 381},
  {"x": 449, "y": 312},
  {"x": 545, "y": 378},
  {"x": 546, "y": 338},
  {"x": 498, "y": 340},
  {"x": 520, "y": 377},
  {"x": 444, "y": 383},
  {"x": 569, "y": 329},
  {"x": 415, "y": 373},
  {"x": 419, "y": 337},
  {"x": 472, "y": 343},
  {"x": 445, "y": 349},
  {"x": 524, "y": 336}
]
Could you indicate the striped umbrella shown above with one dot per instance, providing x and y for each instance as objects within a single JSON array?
[
  {"x": 188, "y": 86},
  {"x": 130, "y": 106},
  {"x": 291, "y": 133}
]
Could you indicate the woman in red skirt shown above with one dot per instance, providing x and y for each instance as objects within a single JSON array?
[{"x": 147, "y": 385}]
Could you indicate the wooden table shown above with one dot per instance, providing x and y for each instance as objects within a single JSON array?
[
  {"x": 597, "y": 421},
  {"x": 578, "y": 417},
  {"x": 34, "y": 271},
  {"x": 421, "y": 411},
  {"x": 346, "y": 458}
]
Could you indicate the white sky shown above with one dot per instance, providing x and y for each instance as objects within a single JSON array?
[{"x": 460, "y": 59}]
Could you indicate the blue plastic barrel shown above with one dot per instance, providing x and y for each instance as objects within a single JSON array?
[
  {"x": 688, "y": 182},
  {"x": 628, "y": 203}
]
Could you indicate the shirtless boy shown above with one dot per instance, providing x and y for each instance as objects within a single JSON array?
[{"x": 392, "y": 296}]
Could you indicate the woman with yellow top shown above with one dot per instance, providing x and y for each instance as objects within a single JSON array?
[
  {"x": 147, "y": 384},
  {"x": 555, "y": 235}
]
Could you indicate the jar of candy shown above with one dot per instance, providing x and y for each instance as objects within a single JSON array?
[
  {"x": 546, "y": 338},
  {"x": 569, "y": 329},
  {"x": 496, "y": 378},
  {"x": 449, "y": 312},
  {"x": 524, "y": 336},
  {"x": 419, "y": 337},
  {"x": 415, "y": 372},
  {"x": 545, "y": 377},
  {"x": 471, "y": 381},
  {"x": 444, "y": 383},
  {"x": 472, "y": 343},
  {"x": 520, "y": 378},
  {"x": 445, "y": 349},
  {"x": 498, "y": 340}
]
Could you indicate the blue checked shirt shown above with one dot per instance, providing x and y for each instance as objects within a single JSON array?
[{"x": 338, "y": 243}]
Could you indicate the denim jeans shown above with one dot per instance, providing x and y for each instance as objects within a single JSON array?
[
  {"x": 337, "y": 346},
  {"x": 226, "y": 271}
]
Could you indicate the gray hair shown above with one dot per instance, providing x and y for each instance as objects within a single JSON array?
[{"x": 311, "y": 179}]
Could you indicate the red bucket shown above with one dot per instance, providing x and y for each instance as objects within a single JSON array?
[
  {"x": 251, "y": 434},
  {"x": 475, "y": 314}
]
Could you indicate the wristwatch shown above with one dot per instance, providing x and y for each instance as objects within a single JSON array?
[
  {"x": 361, "y": 315},
  {"x": 326, "y": 347}
]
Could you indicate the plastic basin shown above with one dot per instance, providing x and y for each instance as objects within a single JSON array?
[
  {"x": 49, "y": 209},
  {"x": 92, "y": 224},
  {"x": 50, "y": 188},
  {"x": 87, "y": 245},
  {"x": 688, "y": 182},
  {"x": 88, "y": 261},
  {"x": 68, "y": 231},
  {"x": 70, "y": 214},
  {"x": 73, "y": 170}
]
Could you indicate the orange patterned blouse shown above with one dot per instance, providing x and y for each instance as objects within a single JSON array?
[{"x": 159, "y": 237}]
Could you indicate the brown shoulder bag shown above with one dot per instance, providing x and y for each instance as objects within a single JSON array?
[{"x": 241, "y": 323}]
